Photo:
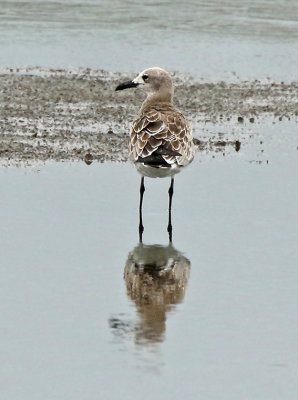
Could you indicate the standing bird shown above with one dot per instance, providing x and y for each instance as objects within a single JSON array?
[{"x": 160, "y": 137}]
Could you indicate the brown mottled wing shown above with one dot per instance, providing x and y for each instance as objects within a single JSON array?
[{"x": 163, "y": 132}]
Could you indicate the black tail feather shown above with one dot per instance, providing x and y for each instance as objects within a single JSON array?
[{"x": 156, "y": 158}]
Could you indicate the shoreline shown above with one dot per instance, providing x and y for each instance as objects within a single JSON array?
[{"x": 64, "y": 115}]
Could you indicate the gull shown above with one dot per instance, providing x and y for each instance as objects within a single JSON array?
[{"x": 160, "y": 137}]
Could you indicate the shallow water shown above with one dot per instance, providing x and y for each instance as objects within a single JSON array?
[
  {"x": 86, "y": 311},
  {"x": 224, "y": 325},
  {"x": 214, "y": 40}
]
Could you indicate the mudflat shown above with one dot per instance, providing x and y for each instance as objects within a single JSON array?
[{"x": 75, "y": 114}]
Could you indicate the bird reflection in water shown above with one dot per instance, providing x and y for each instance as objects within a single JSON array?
[{"x": 156, "y": 278}]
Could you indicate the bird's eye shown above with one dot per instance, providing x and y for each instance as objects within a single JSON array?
[{"x": 145, "y": 77}]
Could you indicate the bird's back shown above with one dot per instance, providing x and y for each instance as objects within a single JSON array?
[{"x": 161, "y": 137}]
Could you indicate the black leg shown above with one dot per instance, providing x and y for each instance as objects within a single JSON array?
[
  {"x": 171, "y": 191},
  {"x": 141, "y": 226}
]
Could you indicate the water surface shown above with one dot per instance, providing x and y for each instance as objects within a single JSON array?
[
  {"x": 86, "y": 311},
  {"x": 71, "y": 327},
  {"x": 214, "y": 40}
]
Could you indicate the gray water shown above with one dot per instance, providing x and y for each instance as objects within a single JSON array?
[
  {"x": 218, "y": 318},
  {"x": 70, "y": 329},
  {"x": 213, "y": 40}
]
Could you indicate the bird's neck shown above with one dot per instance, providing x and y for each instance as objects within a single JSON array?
[{"x": 165, "y": 97}]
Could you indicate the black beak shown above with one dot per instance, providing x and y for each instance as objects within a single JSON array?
[{"x": 126, "y": 85}]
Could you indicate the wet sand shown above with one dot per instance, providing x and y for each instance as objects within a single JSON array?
[{"x": 75, "y": 114}]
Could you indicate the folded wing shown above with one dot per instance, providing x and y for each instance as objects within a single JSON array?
[{"x": 161, "y": 138}]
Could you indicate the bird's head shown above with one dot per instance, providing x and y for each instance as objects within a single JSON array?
[{"x": 152, "y": 80}]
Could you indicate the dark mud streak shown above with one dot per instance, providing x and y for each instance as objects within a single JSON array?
[{"x": 63, "y": 115}]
